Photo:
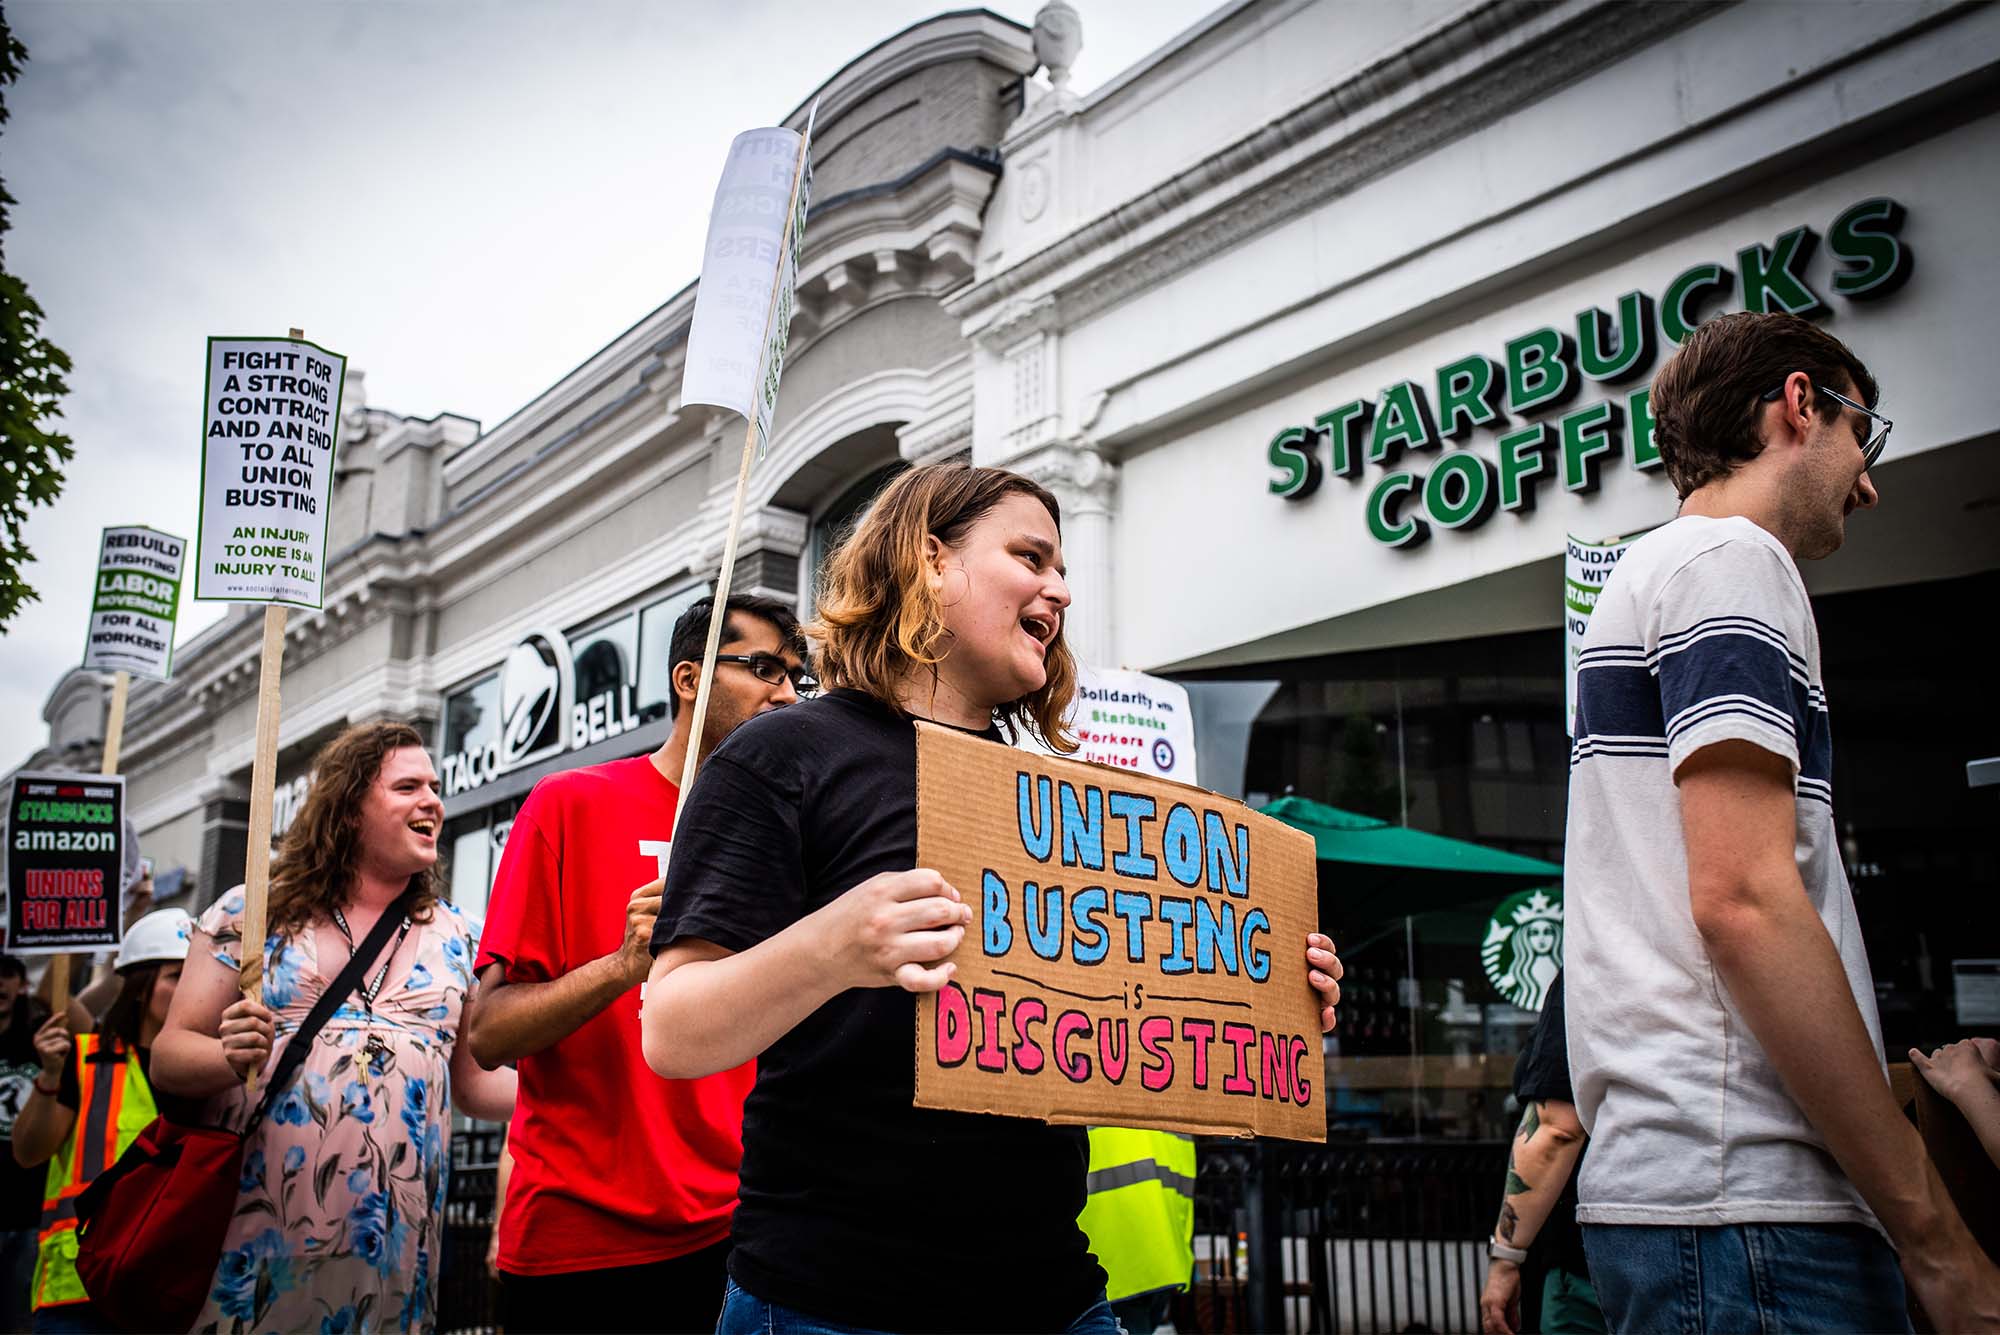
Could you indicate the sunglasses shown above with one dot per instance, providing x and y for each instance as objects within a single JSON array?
[
  {"x": 1871, "y": 450},
  {"x": 772, "y": 670}
]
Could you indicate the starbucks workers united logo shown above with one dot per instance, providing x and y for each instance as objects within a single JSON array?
[{"x": 1522, "y": 952}]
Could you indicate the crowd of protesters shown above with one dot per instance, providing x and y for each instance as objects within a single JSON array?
[{"x": 704, "y": 1058}]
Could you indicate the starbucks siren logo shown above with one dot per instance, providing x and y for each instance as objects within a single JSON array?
[{"x": 1522, "y": 952}]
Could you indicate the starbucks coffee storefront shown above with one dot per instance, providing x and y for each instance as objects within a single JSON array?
[{"x": 1360, "y": 387}]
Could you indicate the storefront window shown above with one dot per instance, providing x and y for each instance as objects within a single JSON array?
[
  {"x": 476, "y": 841},
  {"x": 835, "y": 522},
  {"x": 1465, "y": 739},
  {"x": 606, "y": 657},
  {"x": 472, "y": 716},
  {"x": 656, "y": 632}
]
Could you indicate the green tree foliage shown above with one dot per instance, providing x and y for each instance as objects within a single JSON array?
[{"x": 31, "y": 390}]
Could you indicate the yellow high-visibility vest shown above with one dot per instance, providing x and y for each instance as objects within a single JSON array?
[
  {"x": 113, "y": 1105},
  {"x": 1140, "y": 1212}
]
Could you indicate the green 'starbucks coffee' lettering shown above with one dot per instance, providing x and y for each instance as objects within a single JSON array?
[
  {"x": 1543, "y": 372},
  {"x": 1383, "y": 503},
  {"x": 1298, "y": 465},
  {"x": 1864, "y": 240},
  {"x": 1468, "y": 396},
  {"x": 1344, "y": 428}
]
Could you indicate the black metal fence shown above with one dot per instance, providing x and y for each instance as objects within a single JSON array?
[
  {"x": 1288, "y": 1238},
  {"x": 468, "y": 1299},
  {"x": 1343, "y": 1237}
]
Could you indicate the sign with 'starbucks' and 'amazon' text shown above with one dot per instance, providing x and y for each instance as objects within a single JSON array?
[
  {"x": 1137, "y": 951},
  {"x": 136, "y": 603},
  {"x": 1545, "y": 370},
  {"x": 65, "y": 862}
]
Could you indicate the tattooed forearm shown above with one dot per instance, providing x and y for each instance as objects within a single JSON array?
[{"x": 1508, "y": 1219}]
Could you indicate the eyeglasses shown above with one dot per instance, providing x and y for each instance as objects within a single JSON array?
[
  {"x": 1871, "y": 450},
  {"x": 772, "y": 670}
]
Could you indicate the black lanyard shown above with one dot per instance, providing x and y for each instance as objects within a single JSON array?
[{"x": 369, "y": 991}]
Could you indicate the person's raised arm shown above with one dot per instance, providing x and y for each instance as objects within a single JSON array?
[
  {"x": 213, "y": 1036},
  {"x": 709, "y": 1009},
  {"x": 1773, "y": 954},
  {"x": 519, "y": 1019},
  {"x": 1544, "y": 1153},
  {"x": 44, "y": 1122}
]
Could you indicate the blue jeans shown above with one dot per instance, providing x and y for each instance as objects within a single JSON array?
[
  {"x": 1745, "y": 1277},
  {"x": 745, "y": 1314},
  {"x": 17, "y": 1275}
]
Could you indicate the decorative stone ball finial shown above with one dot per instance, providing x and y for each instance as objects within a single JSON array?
[{"x": 1058, "y": 38}]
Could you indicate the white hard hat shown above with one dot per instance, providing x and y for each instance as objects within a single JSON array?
[{"x": 162, "y": 935}]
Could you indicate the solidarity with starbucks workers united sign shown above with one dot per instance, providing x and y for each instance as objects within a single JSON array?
[{"x": 267, "y": 470}]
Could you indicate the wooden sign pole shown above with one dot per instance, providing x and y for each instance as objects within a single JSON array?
[
  {"x": 263, "y": 779},
  {"x": 718, "y": 609},
  {"x": 114, "y": 722}
]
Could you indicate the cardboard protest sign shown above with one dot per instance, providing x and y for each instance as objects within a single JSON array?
[
  {"x": 137, "y": 600},
  {"x": 268, "y": 436},
  {"x": 1586, "y": 565},
  {"x": 1130, "y": 720},
  {"x": 1137, "y": 953},
  {"x": 65, "y": 861},
  {"x": 749, "y": 275}
]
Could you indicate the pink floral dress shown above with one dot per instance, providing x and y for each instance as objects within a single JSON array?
[{"x": 340, "y": 1212}]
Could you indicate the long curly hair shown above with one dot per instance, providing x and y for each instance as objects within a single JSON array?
[
  {"x": 314, "y": 868},
  {"x": 877, "y": 615}
]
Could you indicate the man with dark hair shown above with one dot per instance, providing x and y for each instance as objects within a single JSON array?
[
  {"x": 20, "y": 1188},
  {"x": 618, "y": 1206},
  {"x": 1746, "y": 1154}
]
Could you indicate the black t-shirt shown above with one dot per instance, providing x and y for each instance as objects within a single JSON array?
[
  {"x": 1542, "y": 1072},
  {"x": 855, "y": 1206},
  {"x": 21, "y": 1189}
]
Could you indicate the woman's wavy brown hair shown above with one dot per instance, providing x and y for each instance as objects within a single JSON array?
[
  {"x": 877, "y": 616},
  {"x": 314, "y": 868}
]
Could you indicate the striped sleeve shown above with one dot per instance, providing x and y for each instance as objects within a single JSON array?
[{"x": 1728, "y": 644}]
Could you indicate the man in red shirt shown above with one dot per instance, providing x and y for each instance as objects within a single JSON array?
[{"x": 617, "y": 1212}]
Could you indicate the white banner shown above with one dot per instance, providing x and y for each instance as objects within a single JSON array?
[
  {"x": 1132, "y": 721},
  {"x": 273, "y": 415},
  {"x": 1586, "y": 565},
  {"x": 136, "y": 602},
  {"x": 736, "y": 345}
]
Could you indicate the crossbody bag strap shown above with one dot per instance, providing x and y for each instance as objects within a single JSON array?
[{"x": 331, "y": 1000}]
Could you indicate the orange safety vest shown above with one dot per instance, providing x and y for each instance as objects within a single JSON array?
[{"x": 114, "y": 1104}]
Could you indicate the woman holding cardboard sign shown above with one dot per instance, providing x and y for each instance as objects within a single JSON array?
[{"x": 795, "y": 929}]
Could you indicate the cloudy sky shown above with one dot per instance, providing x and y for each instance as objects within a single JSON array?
[{"x": 466, "y": 197}]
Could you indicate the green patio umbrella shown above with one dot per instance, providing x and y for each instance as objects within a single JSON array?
[{"x": 1371, "y": 871}]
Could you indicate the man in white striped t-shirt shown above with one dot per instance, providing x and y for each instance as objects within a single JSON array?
[{"x": 1746, "y": 1154}]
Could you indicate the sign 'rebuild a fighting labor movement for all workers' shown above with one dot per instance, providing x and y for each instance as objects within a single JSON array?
[
  {"x": 1136, "y": 955},
  {"x": 137, "y": 598},
  {"x": 273, "y": 416},
  {"x": 65, "y": 861}
]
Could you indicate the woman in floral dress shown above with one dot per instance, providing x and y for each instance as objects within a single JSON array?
[{"x": 340, "y": 1215}]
